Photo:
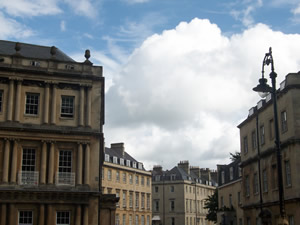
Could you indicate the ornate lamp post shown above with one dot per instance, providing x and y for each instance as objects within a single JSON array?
[{"x": 263, "y": 89}]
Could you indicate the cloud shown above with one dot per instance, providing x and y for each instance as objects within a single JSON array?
[
  {"x": 182, "y": 93},
  {"x": 135, "y": 1},
  {"x": 10, "y": 28},
  {"x": 63, "y": 25},
  {"x": 30, "y": 7}
]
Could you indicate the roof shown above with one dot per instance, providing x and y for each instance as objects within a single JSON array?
[{"x": 33, "y": 51}]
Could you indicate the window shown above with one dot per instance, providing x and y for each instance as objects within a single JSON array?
[
  {"x": 143, "y": 201},
  {"x": 187, "y": 205},
  {"x": 65, "y": 161},
  {"x": 67, "y": 106},
  {"x": 274, "y": 176},
  {"x": 62, "y": 218},
  {"x": 115, "y": 159},
  {"x": 140, "y": 165},
  {"x": 131, "y": 199},
  {"x": 245, "y": 143},
  {"x": 271, "y": 129},
  {"x": 1, "y": 100},
  {"x": 142, "y": 181},
  {"x": 172, "y": 205},
  {"x": 172, "y": 221},
  {"x": 108, "y": 174},
  {"x": 137, "y": 200},
  {"x": 156, "y": 203},
  {"x": 136, "y": 220},
  {"x": 148, "y": 181},
  {"x": 239, "y": 197},
  {"x": 265, "y": 181},
  {"x": 255, "y": 183},
  {"x": 118, "y": 196},
  {"x": 134, "y": 164},
  {"x": 148, "y": 201},
  {"x": 291, "y": 220},
  {"x": 284, "y": 127},
  {"x": 156, "y": 189},
  {"x": 128, "y": 162},
  {"x": 118, "y": 176},
  {"x": 117, "y": 219},
  {"x": 124, "y": 199},
  {"x": 148, "y": 220},
  {"x": 240, "y": 221},
  {"x": 136, "y": 179},
  {"x": 231, "y": 173},
  {"x": 248, "y": 221},
  {"x": 222, "y": 202},
  {"x": 102, "y": 173},
  {"x": 142, "y": 220},
  {"x": 32, "y": 103},
  {"x": 25, "y": 217},
  {"x": 28, "y": 159},
  {"x": 288, "y": 179},
  {"x": 106, "y": 157},
  {"x": 262, "y": 134},
  {"x": 124, "y": 178},
  {"x": 253, "y": 140},
  {"x": 130, "y": 179},
  {"x": 247, "y": 186},
  {"x": 223, "y": 177},
  {"x": 124, "y": 219},
  {"x": 122, "y": 162},
  {"x": 130, "y": 219},
  {"x": 172, "y": 188},
  {"x": 230, "y": 200},
  {"x": 109, "y": 190}
]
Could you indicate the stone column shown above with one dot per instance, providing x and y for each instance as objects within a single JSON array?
[
  {"x": 89, "y": 107},
  {"x": 12, "y": 214},
  {"x": 50, "y": 219},
  {"x": 81, "y": 106},
  {"x": 42, "y": 215},
  {"x": 13, "y": 175},
  {"x": 51, "y": 164},
  {"x": 78, "y": 215},
  {"x": 43, "y": 163},
  {"x": 3, "y": 214},
  {"x": 46, "y": 103},
  {"x": 86, "y": 215},
  {"x": 79, "y": 164},
  {"x": 87, "y": 165},
  {"x": 18, "y": 100},
  {"x": 53, "y": 105},
  {"x": 10, "y": 100},
  {"x": 6, "y": 161}
]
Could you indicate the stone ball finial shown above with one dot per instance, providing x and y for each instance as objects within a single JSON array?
[
  {"x": 17, "y": 47},
  {"x": 53, "y": 50},
  {"x": 87, "y": 54}
]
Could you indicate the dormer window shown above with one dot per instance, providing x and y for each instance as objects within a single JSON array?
[
  {"x": 115, "y": 159},
  {"x": 122, "y": 162},
  {"x": 140, "y": 165},
  {"x": 134, "y": 164},
  {"x": 106, "y": 157},
  {"x": 35, "y": 63},
  {"x": 128, "y": 162},
  {"x": 69, "y": 67}
]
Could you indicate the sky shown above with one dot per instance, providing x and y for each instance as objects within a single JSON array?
[{"x": 179, "y": 73}]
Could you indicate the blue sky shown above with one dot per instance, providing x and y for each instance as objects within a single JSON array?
[{"x": 179, "y": 73}]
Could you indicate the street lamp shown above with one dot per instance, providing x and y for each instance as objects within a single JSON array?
[{"x": 263, "y": 89}]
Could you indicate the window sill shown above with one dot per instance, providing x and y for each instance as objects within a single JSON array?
[
  {"x": 66, "y": 118},
  {"x": 32, "y": 115}
]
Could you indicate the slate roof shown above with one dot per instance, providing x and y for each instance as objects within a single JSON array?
[
  {"x": 32, "y": 51},
  {"x": 226, "y": 168}
]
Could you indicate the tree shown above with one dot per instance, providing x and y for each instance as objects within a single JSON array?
[
  {"x": 211, "y": 203},
  {"x": 235, "y": 156}
]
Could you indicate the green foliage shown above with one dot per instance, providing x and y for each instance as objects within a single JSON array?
[
  {"x": 211, "y": 203},
  {"x": 235, "y": 156}
]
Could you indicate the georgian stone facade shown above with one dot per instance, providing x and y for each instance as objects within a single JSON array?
[
  {"x": 261, "y": 119},
  {"x": 51, "y": 137}
]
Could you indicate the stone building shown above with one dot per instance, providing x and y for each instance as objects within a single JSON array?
[
  {"x": 178, "y": 194},
  {"x": 51, "y": 137},
  {"x": 230, "y": 194},
  {"x": 261, "y": 119},
  {"x": 127, "y": 178}
]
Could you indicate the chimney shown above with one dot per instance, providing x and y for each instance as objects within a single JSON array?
[
  {"x": 196, "y": 170},
  {"x": 118, "y": 147},
  {"x": 157, "y": 168},
  {"x": 185, "y": 166}
]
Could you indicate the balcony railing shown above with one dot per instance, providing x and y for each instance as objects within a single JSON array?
[
  {"x": 63, "y": 178},
  {"x": 28, "y": 178}
]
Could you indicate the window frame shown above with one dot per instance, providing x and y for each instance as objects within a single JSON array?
[
  {"x": 69, "y": 217},
  {"x": 67, "y": 107},
  {"x": 62, "y": 168},
  {"x": 32, "y": 108},
  {"x": 19, "y": 217}
]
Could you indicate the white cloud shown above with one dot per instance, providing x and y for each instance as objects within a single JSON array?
[
  {"x": 84, "y": 7},
  {"x": 10, "y": 28},
  {"x": 135, "y": 1},
  {"x": 30, "y": 7},
  {"x": 63, "y": 25},
  {"x": 183, "y": 92}
]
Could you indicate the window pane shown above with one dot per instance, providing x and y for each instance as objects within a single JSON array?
[
  {"x": 28, "y": 159},
  {"x": 32, "y": 103},
  {"x": 62, "y": 218},
  {"x": 67, "y": 106},
  {"x": 65, "y": 161}
]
